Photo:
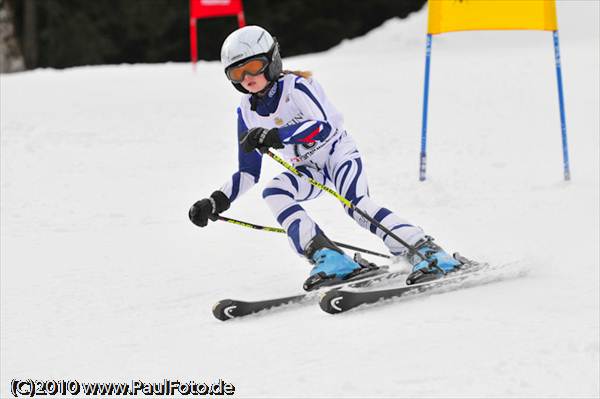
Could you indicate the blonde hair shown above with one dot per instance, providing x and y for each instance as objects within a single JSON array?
[{"x": 304, "y": 74}]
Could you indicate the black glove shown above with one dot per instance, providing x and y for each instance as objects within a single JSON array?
[
  {"x": 261, "y": 138},
  {"x": 209, "y": 208}
]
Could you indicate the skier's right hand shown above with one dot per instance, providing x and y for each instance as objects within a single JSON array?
[
  {"x": 208, "y": 208},
  {"x": 259, "y": 138}
]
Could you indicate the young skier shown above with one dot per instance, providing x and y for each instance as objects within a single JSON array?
[{"x": 289, "y": 111}]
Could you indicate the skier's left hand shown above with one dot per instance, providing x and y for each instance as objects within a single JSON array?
[{"x": 261, "y": 139}]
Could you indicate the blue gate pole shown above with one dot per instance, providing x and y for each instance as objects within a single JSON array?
[
  {"x": 561, "y": 103},
  {"x": 423, "y": 160}
]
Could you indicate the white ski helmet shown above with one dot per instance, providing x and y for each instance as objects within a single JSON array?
[{"x": 247, "y": 43}]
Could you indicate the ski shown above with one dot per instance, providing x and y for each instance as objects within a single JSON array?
[
  {"x": 228, "y": 309},
  {"x": 342, "y": 300}
]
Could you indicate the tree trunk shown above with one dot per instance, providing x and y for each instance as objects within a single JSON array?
[{"x": 11, "y": 58}]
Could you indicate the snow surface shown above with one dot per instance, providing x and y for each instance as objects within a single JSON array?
[{"x": 105, "y": 279}]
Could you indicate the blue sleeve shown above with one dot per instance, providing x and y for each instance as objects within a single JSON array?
[
  {"x": 248, "y": 170},
  {"x": 249, "y": 162}
]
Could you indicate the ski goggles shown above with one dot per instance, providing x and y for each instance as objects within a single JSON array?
[{"x": 253, "y": 67}]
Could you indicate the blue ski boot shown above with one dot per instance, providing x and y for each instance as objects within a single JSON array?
[
  {"x": 331, "y": 264},
  {"x": 437, "y": 265}
]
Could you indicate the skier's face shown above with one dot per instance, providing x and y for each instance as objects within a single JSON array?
[{"x": 254, "y": 84}]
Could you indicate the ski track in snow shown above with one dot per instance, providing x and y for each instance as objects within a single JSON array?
[
  {"x": 103, "y": 278},
  {"x": 491, "y": 275}
]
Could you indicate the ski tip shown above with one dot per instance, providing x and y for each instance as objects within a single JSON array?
[
  {"x": 332, "y": 302},
  {"x": 225, "y": 309}
]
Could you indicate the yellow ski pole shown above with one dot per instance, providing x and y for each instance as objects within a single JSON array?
[{"x": 279, "y": 230}]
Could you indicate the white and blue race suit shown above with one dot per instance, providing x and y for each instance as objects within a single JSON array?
[{"x": 316, "y": 143}]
